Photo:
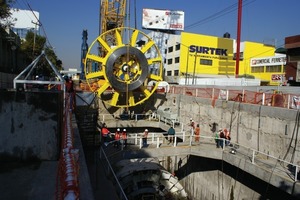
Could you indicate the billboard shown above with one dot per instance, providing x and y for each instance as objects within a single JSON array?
[
  {"x": 163, "y": 19},
  {"x": 25, "y": 19}
]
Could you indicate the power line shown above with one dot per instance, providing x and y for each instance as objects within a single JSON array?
[
  {"x": 39, "y": 23},
  {"x": 219, "y": 14}
]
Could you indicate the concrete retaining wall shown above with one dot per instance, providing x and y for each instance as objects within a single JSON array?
[
  {"x": 267, "y": 129},
  {"x": 205, "y": 178},
  {"x": 30, "y": 125}
]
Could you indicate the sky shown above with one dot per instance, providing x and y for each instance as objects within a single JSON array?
[{"x": 262, "y": 20}]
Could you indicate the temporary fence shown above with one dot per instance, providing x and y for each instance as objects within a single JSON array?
[
  {"x": 68, "y": 168},
  {"x": 271, "y": 97}
]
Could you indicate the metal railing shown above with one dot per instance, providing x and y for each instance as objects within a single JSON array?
[
  {"x": 157, "y": 140},
  {"x": 149, "y": 117},
  {"x": 122, "y": 194}
]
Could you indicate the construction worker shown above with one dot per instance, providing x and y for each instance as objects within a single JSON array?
[
  {"x": 70, "y": 91},
  {"x": 171, "y": 134},
  {"x": 144, "y": 138},
  {"x": 227, "y": 136},
  {"x": 124, "y": 137},
  {"x": 191, "y": 124},
  {"x": 117, "y": 138},
  {"x": 197, "y": 133},
  {"x": 105, "y": 133},
  {"x": 221, "y": 138}
]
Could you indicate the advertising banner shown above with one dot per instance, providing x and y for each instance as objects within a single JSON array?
[{"x": 163, "y": 19}]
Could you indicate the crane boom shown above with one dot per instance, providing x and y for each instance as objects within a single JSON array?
[{"x": 112, "y": 14}]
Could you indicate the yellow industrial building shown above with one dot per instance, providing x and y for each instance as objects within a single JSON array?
[{"x": 204, "y": 56}]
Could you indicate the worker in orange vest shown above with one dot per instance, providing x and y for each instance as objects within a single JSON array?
[
  {"x": 197, "y": 133},
  {"x": 105, "y": 133},
  {"x": 117, "y": 138},
  {"x": 124, "y": 137},
  {"x": 227, "y": 136}
]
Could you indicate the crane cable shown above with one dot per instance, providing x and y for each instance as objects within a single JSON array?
[
  {"x": 135, "y": 22},
  {"x": 127, "y": 58}
]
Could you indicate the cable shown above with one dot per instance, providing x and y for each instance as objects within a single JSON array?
[
  {"x": 221, "y": 13},
  {"x": 41, "y": 25},
  {"x": 27, "y": 5},
  {"x": 135, "y": 22}
]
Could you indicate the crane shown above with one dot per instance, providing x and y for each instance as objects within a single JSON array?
[
  {"x": 122, "y": 65},
  {"x": 84, "y": 48},
  {"x": 112, "y": 14}
]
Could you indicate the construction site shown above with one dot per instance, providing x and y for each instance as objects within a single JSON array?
[{"x": 106, "y": 135}]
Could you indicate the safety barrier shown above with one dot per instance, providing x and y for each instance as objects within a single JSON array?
[
  {"x": 68, "y": 170},
  {"x": 158, "y": 140},
  {"x": 268, "y": 97}
]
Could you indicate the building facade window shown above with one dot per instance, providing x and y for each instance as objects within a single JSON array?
[
  {"x": 275, "y": 68},
  {"x": 177, "y": 60},
  {"x": 169, "y": 61},
  {"x": 176, "y": 72},
  {"x": 177, "y": 47},
  {"x": 169, "y": 73},
  {"x": 206, "y": 62},
  {"x": 241, "y": 56},
  {"x": 170, "y": 49},
  {"x": 257, "y": 69}
]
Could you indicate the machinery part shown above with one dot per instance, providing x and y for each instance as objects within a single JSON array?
[
  {"x": 112, "y": 14},
  {"x": 120, "y": 64}
]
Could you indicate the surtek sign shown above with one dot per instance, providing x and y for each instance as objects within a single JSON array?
[{"x": 208, "y": 50}]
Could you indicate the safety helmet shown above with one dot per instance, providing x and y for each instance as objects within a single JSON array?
[
  {"x": 118, "y": 129},
  {"x": 124, "y": 129},
  {"x": 146, "y": 130}
]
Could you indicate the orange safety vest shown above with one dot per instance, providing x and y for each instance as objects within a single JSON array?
[
  {"x": 117, "y": 136},
  {"x": 197, "y": 131},
  {"x": 124, "y": 136},
  {"x": 105, "y": 132}
]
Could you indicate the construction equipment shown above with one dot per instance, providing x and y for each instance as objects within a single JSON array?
[{"x": 123, "y": 65}]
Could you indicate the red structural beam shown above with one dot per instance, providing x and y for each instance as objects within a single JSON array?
[{"x": 238, "y": 40}]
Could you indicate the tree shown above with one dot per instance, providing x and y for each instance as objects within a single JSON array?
[
  {"x": 5, "y": 13},
  {"x": 32, "y": 46}
]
